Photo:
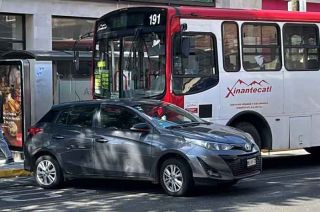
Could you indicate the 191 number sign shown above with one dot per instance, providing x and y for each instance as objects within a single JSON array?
[{"x": 154, "y": 19}]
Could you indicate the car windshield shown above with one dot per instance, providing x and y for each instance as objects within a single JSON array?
[{"x": 166, "y": 115}]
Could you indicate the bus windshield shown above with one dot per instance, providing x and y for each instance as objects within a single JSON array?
[{"x": 130, "y": 59}]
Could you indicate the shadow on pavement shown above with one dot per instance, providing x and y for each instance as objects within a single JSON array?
[{"x": 285, "y": 182}]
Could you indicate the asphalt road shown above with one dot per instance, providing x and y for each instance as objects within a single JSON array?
[{"x": 287, "y": 184}]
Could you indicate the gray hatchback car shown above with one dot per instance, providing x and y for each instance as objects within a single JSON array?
[{"x": 142, "y": 139}]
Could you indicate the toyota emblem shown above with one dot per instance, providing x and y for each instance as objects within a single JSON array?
[{"x": 247, "y": 147}]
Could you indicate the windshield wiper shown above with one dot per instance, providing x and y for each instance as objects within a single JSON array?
[
  {"x": 185, "y": 125},
  {"x": 173, "y": 127}
]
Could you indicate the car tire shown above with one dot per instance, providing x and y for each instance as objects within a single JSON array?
[
  {"x": 252, "y": 130},
  {"x": 176, "y": 177},
  {"x": 47, "y": 172}
]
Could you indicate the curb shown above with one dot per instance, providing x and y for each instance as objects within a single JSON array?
[{"x": 14, "y": 173}]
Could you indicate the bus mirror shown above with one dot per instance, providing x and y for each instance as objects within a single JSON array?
[{"x": 185, "y": 46}]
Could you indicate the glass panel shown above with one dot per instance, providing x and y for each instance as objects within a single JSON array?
[
  {"x": 193, "y": 63},
  {"x": 254, "y": 34},
  {"x": 269, "y": 35},
  {"x": 298, "y": 35},
  {"x": 63, "y": 117},
  {"x": 11, "y": 27},
  {"x": 261, "y": 59},
  {"x": 65, "y": 31},
  {"x": 82, "y": 116},
  {"x": 231, "y": 61},
  {"x": 10, "y": 95},
  {"x": 301, "y": 59},
  {"x": 118, "y": 118},
  {"x": 304, "y": 40},
  {"x": 106, "y": 73},
  {"x": 167, "y": 115},
  {"x": 143, "y": 66},
  {"x": 195, "y": 57},
  {"x": 185, "y": 85}
]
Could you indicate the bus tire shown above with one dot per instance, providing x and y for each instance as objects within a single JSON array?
[{"x": 252, "y": 130}]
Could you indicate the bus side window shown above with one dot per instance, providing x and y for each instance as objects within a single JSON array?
[
  {"x": 194, "y": 63},
  {"x": 231, "y": 54},
  {"x": 261, "y": 47},
  {"x": 301, "y": 47}
]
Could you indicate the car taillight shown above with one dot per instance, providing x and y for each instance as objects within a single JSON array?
[{"x": 34, "y": 131}]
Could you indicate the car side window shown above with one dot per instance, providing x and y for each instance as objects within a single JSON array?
[
  {"x": 63, "y": 117},
  {"x": 118, "y": 118},
  {"x": 81, "y": 116}
]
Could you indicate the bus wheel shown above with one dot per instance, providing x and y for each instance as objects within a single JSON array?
[
  {"x": 314, "y": 151},
  {"x": 252, "y": 130}
]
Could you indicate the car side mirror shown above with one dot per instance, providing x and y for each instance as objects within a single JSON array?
[{"x": 140, "y": 127}]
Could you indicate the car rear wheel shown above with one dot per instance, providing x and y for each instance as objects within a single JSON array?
[
  {"x": 47, "y": 172},
  {"x": 176, "y": 178},
  {"x": 252, "y": 130}
]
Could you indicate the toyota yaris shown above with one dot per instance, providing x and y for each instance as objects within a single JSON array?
[{"x": 145, "y": 140}]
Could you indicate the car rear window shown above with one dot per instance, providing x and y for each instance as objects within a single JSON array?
[{"x": 49, "y": 117}]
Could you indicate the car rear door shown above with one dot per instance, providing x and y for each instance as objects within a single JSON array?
[
  {"x": 118, "y": 150},
  {"x": 73, "y": 131}
]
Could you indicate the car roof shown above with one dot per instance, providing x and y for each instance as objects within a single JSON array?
[{"x": 120, "y": 102}]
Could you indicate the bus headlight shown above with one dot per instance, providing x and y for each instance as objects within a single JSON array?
[{"x": 209, "y": 145}]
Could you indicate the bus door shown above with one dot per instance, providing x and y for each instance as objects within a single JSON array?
[
  {"x": 195, "y": 70},
  {"x": 302, "y": 102}
]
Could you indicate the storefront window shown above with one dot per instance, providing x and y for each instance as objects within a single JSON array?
[
  {"x": 73, "y": 82},
  {"x": 11, "y": 32},
  {"x": 66, "y": 31}
]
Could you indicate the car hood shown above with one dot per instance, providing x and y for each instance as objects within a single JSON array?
[{"x": 214, "y": 133}]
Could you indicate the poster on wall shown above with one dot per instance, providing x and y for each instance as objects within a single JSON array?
[{"x": 10, "y": 92}]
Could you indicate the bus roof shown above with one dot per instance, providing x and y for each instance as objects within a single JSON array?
[
  {"x": 231, "y": 14},
  {"x": 248, "y": 15}
]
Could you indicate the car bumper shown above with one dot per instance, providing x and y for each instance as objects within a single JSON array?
[{"x": 215, "y": 168}]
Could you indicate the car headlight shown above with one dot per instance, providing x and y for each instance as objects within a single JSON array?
[
  {"x": 250, "y": 138},
  {"x": 209, "y": 145}
]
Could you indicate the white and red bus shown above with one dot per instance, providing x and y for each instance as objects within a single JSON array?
[{"x": 254, "y": 70}]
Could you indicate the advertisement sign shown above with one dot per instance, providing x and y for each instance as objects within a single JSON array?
[{"x": 10, "y": 92}]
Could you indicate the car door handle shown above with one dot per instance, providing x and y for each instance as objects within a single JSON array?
[
  {"x": 101, "y": 140},
  {"x": 58, "y": 137}
]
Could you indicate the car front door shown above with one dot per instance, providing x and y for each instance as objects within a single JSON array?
[
  {"x": 74, "y": 130},
  {"x": 120, "y": 151}
]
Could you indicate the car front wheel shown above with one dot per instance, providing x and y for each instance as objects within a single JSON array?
[
  {"x": 47, "y": 172},
  {"x": 176, "y": 177}
]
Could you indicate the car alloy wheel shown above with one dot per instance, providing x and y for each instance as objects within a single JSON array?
[
  {"x": 172, "y": 178},
  {"x": 176, "y": 177},
  {"x": 46, "y": 172}
]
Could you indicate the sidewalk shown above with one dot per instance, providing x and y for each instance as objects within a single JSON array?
[{"x": 15, "y": 169}]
